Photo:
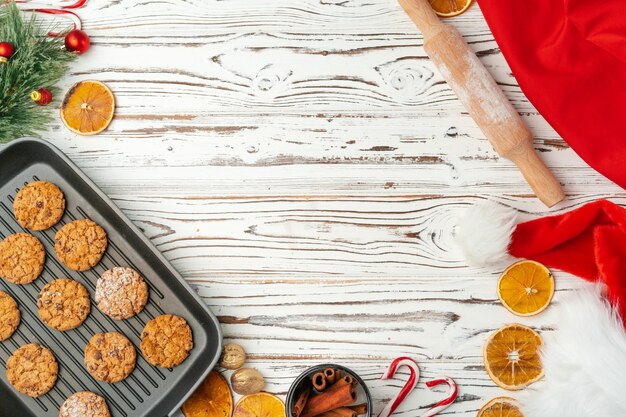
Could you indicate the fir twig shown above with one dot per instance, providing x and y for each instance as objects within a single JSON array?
[{"x": 39, "y": 61}]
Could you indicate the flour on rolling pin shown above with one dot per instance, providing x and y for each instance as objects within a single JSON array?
[
  {"x": 483, "y": 99},
  {"x": 485, "y": 93},
  {"x": 472, "y": 84}
]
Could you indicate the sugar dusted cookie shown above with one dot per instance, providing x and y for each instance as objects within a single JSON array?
[
  {"x": 84, "y": 404},
  {"x": 121, "y": 293}
]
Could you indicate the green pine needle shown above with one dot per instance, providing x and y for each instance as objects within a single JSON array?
[{"x": 39, "y": 61}]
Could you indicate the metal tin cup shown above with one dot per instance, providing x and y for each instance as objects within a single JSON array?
[{"x": 303, "y": 381}]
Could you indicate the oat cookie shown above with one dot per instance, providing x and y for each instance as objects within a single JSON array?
[
  {"x": 121, "y": 293},
  {"x": 32, "y": 370},
  {"x": 166, "y": 341},
  {"x": 9, "y": 316},
  {"x": 80, "y": 244},
  {"x": 84, "y": 404},
  {"x": 63, "y": 304},
  {"x": 110, "y": 357},
  {"x": 39, "y": 205},
  {"x": 21, "y": 258}
]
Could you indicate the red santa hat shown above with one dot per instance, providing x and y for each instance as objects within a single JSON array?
[
  {"x": 569, "y": 58},
  {"x": 585, "y": 358}
]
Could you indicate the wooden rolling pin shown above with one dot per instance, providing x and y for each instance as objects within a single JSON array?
[{"x": 484, "y": 100}]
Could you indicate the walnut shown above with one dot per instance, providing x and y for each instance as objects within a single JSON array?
[
  {"x": 233, "y": 356},
  {"x": 247, "y": 381}
]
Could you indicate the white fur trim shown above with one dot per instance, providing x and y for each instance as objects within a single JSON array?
[
  {"x": 584, "y": 362},
  {"x": 484, "y": 233}
]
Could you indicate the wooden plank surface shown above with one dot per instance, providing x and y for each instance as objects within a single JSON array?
[{"x": 304, "y": 166}]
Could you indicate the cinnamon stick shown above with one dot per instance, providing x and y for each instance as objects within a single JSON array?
[
  {"x": 346, "y": 380},
  {"x": 319, "y": 381},
  {"x": 329, "y": 400},
  {"x": 301, "y": 401},
  {"x": 331, "y": 375},
  {"x": 359, "y": 408},
  {"x": 339, "y": 412}
]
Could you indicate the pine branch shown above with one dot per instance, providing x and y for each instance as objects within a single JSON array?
[{"x": 39, "y": 62}]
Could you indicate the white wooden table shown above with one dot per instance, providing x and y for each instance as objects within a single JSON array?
[{"x": 302, "y": 165}]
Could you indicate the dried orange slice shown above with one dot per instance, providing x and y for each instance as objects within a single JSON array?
[
  {"x": 500, "y": 407},
  {"x": 211, "y": 399},
  {"x": 511, "y": 357},
  {"x": 262, "y": 404},
  {"x": 450, "y": 8},
  {"x": 526, "y": 288},
  {"x": 88, "y": 107}
]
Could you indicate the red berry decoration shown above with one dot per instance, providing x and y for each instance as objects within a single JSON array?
[
  {"x": 77, "y": 41},
  {"x": 6, "y": 52},
  {"x": 41, "y": 96}
]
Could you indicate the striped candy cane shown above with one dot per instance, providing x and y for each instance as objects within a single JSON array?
[
  {"x": 408, "y": 386},
  {"x": 443, "y": 404},
  {"x": 411, "y": 383}
]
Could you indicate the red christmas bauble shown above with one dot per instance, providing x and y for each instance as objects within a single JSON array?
[
  {"x": 41, "y": 96},
  {"x": 77, "y": 41},
  {"x": 6, "y": 51}
]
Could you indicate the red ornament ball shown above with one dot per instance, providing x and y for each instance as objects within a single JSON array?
[
  {"x": 42, "y": 96},
  {"x": 77, "y": 41},
  {"x": 6, "y": 52}
]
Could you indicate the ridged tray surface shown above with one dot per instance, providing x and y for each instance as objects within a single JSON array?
[{"x": 149, "y": 391}]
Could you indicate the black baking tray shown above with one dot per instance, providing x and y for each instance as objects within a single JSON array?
[{"x": 149, "y": 391}]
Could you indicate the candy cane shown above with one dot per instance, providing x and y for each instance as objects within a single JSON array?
[
  {"x": 443, "y": 404},
  {"x": 408, "y": 386}
]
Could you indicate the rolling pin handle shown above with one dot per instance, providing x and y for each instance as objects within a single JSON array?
[
  {"x": 423, "y": 15},
  {"x": 537, "y": 174}
]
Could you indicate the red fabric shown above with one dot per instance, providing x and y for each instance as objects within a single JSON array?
[
  {"x": 589, "y": 242},
  {"x": 569, "y": 57}
]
